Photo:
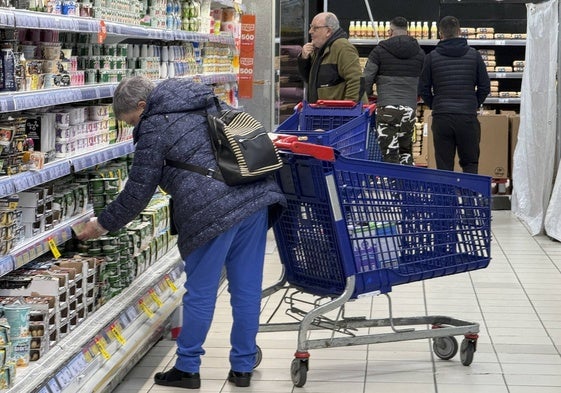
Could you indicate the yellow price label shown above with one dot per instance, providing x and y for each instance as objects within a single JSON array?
[
  {"x": 144, "y": 308},
  {"x": 171, "y": 284},
  {"x": 101, "y": 346},
  {"x": 156, "y": 298},
  {"x": 54, "y": 249},
  {"x": 116, "y": 330}
]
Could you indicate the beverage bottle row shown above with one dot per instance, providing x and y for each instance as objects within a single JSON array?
[{"x": 381, "y": 30}]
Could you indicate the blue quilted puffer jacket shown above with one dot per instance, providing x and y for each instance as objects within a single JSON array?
[{"x": 203, "y": 207}]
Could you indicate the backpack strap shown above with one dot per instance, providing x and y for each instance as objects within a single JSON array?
[{"x": 208, "y": 172}]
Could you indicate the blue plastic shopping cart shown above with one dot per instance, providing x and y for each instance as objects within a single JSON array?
[
  {"x": 356, "y": 227},
  {"x": 343, "y": 125}
]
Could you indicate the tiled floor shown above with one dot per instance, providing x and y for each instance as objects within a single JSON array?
[{"x": 516, "y": 300}]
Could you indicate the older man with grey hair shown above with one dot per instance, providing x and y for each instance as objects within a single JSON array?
[{"x": 329, "y": 63}]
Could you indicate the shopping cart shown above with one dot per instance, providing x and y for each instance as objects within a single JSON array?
[
  {"x": 355, "y": 228},
  {"x": 343, "y": 125}
]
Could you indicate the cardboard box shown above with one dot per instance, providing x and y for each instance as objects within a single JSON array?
[
  {"x": 513, "y": 126},
  {"x": 494, "y": 145}
]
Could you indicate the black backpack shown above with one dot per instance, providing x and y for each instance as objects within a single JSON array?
[{"x": 242, "y": 147}]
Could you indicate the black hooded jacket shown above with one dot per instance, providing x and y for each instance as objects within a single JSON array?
[
  {"x": 395, "y": 65},
  {"x": 454, "y": 78}
]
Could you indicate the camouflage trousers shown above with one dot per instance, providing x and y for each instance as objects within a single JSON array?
[{"x": 395, "y": 126}]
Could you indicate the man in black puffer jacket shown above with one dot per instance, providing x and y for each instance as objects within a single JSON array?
[
  {"x": 454, "y": 84},
  {"x": 395, "y": 65},
  {"x": 218, "y": 225}
]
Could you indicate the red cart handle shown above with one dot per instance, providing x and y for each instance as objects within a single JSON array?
[
  {"x": 336, "y": 104},
  {"x": 293, "y": 144}
]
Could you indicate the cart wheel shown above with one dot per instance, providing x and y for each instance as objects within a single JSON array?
[
  {"x": 298, "y": 372},
  {"x": 258, "y": 357},
  {"x": 466, "y": 351},
  {"x": 445, "y": 347}
]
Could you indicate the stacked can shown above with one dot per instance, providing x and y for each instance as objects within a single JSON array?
[
  {"x": 7, "y": 366},
  {"x": 17, "y": 316}
]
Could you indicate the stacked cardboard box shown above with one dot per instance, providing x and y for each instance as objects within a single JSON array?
[{"x": 494, "y": 146}]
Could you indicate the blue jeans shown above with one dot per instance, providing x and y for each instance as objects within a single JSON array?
[{"x": 241, "y": 250}]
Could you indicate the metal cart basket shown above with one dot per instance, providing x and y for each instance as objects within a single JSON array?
[{"x": 355, "y": 228}]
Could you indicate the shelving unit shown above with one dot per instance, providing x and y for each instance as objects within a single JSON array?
[
  {"x": 362, "y": 42},
  {"x": 97, "y": 353}
]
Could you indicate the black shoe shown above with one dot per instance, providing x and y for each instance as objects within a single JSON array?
[
  {"x": 178, "y": 379},
  {"x": 241, "y": 380}
]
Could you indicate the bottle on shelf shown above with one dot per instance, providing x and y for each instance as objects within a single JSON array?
[
  {"x": 425, "y": 31},
  {"x": 433, "y": 31},
  {"x": 387, "y": 29},
  {"x": 364, "y": 29},
  {"x": 381, "y": 33},
  {"x": 352, "y": 29},
  {"x": 370, "y": 30}
]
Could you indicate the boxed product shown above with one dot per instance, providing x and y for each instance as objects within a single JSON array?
[
  {"x": 375, "y": 245},
  {"x": 493, "y": 157}
]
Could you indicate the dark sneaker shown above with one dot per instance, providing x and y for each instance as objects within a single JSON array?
[
  {"x": 241, "y": 380},
  {"x": 178, "y": 379}
]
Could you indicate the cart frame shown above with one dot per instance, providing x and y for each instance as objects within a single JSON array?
[{"x": 473, "y": 229}]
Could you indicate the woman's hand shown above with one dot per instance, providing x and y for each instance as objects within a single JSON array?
[{"x": 90, "y": 230}]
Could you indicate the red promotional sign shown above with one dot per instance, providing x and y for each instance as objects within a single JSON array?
[
  {"x": 247, "y": 51},
  {"x": 102, "y": 33}
]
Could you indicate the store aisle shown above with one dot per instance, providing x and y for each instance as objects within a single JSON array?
[{"x": 516, "y": 300}]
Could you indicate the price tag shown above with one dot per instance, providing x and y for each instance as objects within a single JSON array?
[
  {"x": 116, "y": 330},
  {"x": 54, "y": 248},
  {"x": 501, "y": 75},
  {"x": 102, "y": 347},
  {"x": 171, "y": 284},
  {"x": 500, "y": 42},
  {"x": 156, "y": 298},
  {"x": 54, "y": 386},
  {"x": 504, "y": 100},
  {"x": 132, "y": 313},
  {"x": 63, "y": 377},
  {"x": 144, "y": 308}
]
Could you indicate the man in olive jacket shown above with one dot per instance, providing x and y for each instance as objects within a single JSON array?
[{"x": 329, "y": 64}]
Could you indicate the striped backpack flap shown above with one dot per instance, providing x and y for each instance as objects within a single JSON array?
[{"x": 242, "y": 147}]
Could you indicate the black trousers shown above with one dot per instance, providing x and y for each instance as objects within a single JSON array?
[{"x": 453, "y": 132}]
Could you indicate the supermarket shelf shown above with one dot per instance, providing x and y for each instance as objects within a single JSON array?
[
  {"x": 41, "y": 20},
  {"x": 51, "y": 171},
  {"x": 19, "y": 101},
  {"x": 497, "y": 100},
  {"x": 57, "y": 169},
  {"x": 373, "y": 41},
  {"x": 97, "y": 157},
  {"x": 39, "y": 245},
  {"x": 93, "y": 356},
  {"x": 505, "y": 75}
]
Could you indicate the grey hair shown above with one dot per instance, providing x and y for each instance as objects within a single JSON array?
[
  {"x": 331, "y": 21},
  {"x": 129, "y": 93}
]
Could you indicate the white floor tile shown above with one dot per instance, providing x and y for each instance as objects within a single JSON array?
[{"x": 515, "y": 301}]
